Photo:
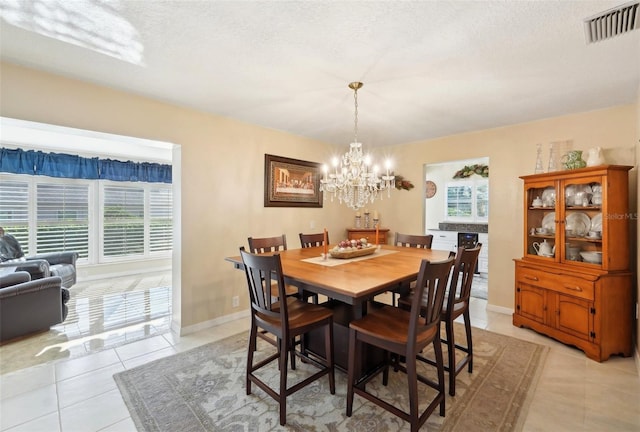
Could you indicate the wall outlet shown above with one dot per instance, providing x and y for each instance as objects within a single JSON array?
[
  {"x": 235, "y": 301},
  {"x": 312, "y": 224}
]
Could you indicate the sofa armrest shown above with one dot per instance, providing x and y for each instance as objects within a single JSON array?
[
  {"x": 14, "y": 278},
  {"x": 38, "y": 269},
  {"x": 30, "y": 307},
  {"x": 34, "y": 286},
  {"x": 57, "y": 257}
]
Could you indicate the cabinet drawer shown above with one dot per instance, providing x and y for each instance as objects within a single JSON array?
[{"x": 562, "y": 283}]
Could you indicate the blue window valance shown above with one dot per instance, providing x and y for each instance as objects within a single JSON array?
[{"x": 18, "y": 161}]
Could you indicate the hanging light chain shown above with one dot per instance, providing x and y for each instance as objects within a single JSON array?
[{"x": 355, "y": 121}]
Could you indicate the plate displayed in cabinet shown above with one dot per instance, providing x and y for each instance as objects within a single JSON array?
[
  {"x": 549, "y": 197},
  {"x": 579, "y": 222},
  {"x": 596, "y": 222},
  {"x": 549, "y": 222}
]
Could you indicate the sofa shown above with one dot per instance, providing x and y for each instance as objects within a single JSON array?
[
  {"x": 61, "y": 264},
  {"x": 28, "y": 306}
]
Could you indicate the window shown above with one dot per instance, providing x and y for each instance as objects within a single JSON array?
[
  {"x": 14, "y": 210},
  {"x": 101, "y": 220},
  {"x": 62, "y": 218},
  {"x": 467, "y": 201},
  {"x": 160, "y": 219},
  {"x": 123, "y": 227}
]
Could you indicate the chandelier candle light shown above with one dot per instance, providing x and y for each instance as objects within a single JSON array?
[
  {"x": 353, "y": 180},
  {"x": 325, "y": 244}
]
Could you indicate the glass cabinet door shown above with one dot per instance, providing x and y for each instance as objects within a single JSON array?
[
  {"x": 582, "y": 236},
  {"x": 541, "y": 220}
]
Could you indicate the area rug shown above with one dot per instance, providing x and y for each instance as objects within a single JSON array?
[{"x": 203, "y": 390}]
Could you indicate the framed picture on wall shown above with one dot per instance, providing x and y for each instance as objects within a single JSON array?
[{"x": 291, "y": 182}]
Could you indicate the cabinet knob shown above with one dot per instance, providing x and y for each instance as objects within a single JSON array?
[
  {"x": 533, "y": 278},
  {"x": 573, "y": 288}
]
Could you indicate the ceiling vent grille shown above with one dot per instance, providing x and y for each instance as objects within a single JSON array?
[{"x": 612, "y": 22}]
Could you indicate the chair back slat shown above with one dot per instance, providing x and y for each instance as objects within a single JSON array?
[
  {"x": 462, "y": 277},
  {"x": 267, "y": 244},
  {"x": 428, "y": 298},
  {"x": 312, "y": 240},
  {"x": 262, "y": 271},
  {"x": 415, "y": 241}
]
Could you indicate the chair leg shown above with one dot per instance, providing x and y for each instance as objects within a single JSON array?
[
  {"x": 385, "y": 372},
  {"x": 292, "y": 351},
  {"x": 467, "y": 328},
  {"x": 351, "y": 375},
  {"x": 282, "y": 395},
  {"x": 437, "y": 348},
  {"x": 412, "y": 382},
  {"x": 328, "y": 349},
  {"x": 451, "y": 352},
  {"x": 250, "y": 351}
]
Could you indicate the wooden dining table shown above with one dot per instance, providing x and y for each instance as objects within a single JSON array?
[{"x": 349, "y": 284}]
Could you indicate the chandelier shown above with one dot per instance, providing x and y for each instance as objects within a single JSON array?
[{"x": 353, "y": 180}]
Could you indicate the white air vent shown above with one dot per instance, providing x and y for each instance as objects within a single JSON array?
[{"x": 613, "y": 22}]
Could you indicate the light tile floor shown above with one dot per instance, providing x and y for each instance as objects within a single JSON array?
[{"x": 78, "y": 393}]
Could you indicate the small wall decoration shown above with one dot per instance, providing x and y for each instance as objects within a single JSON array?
[
  {"x": 402, "y": 183},
  {"x": 291, "y": 182},
  {"x": 469, "y": 170},
  {"x": 430, "y": 189}
]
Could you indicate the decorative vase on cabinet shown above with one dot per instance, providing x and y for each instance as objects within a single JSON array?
[{"x": 577, "y": 288}]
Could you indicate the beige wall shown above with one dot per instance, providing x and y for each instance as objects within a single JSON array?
[{"x": 219, "y": 209}]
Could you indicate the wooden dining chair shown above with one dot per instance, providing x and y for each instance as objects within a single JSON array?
[
  {"x": 312, "y": 240},
  {"x": 414, "y": 241},
  {"x": 404, "y": 334},
  {"x": 286, "y": 318},
  {"x": 457, "y": 304},
  {"x": 272, "y": 244}
]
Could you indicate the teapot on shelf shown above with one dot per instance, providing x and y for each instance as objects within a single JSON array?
[{"x": 544, "y": 248}]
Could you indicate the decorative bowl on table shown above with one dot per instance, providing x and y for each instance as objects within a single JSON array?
[{"x": 352, "y": 249}]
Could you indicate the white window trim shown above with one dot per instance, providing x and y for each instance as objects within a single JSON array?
[{"x": 473, "y": 183}]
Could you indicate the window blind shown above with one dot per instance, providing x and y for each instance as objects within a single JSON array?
[{"x": 62, "y": 218}]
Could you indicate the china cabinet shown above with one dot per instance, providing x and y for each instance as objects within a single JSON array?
[{"x": 573, "y": 282}]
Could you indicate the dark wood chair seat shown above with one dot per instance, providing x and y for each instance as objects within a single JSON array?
[{"x": 392, "y": 325}]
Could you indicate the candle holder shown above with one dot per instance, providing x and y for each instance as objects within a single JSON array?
[
  {"x": 376, "y": 223},
  {"x": 367, "y": 220},
  {"x": 358, "y": 222}
]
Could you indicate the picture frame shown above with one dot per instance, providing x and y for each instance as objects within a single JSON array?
[{"x": 291, "y": 182}]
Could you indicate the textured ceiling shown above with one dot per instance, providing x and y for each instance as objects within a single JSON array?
[{"x": 429, "y": 68}]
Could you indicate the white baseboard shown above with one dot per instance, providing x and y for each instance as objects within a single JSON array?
[
  {"x": 499, "y": 309},
  {"x": 182, "y": 331}
]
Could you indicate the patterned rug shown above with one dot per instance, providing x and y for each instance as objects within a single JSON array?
[{"x": 203, "y": 390}]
